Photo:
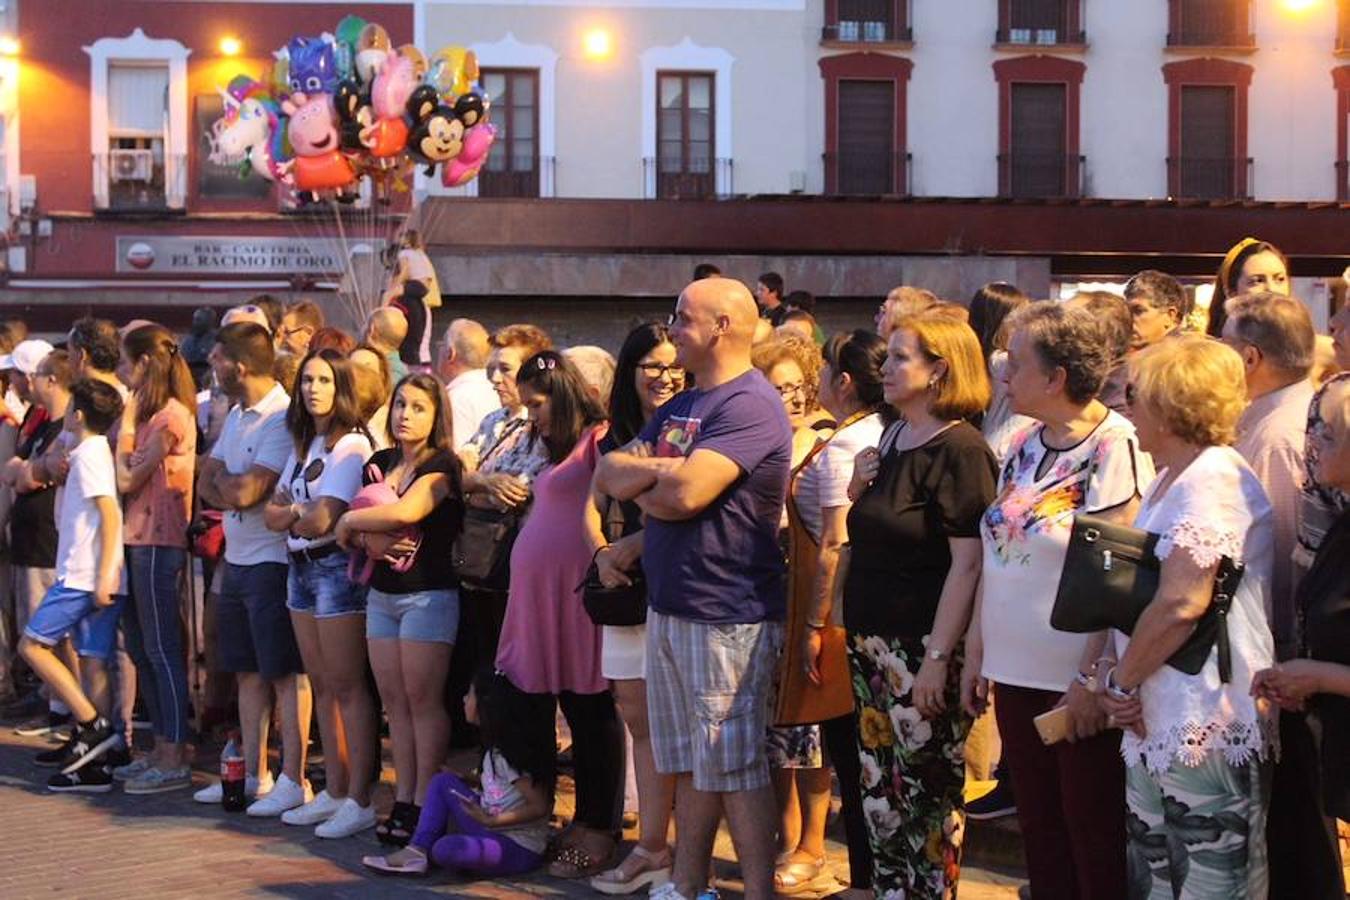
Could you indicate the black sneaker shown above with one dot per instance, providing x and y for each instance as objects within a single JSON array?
[
  {"x": 994, "y": 805},
  {"x": 91, "y": 779},
  {"x": 119, "y": 755},
  {"x": 91, "y": 742},
  {"x": 44, "y": 725},
  {"x": 57, "y": 757}
]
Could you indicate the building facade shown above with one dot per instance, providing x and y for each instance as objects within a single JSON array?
[{"x": 853, "y": 144}]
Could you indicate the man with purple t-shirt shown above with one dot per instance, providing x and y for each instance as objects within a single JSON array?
[{"x": 710, "y": 471}]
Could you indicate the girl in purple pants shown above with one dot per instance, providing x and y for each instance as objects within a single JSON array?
[{"x": 503, "y": 829}]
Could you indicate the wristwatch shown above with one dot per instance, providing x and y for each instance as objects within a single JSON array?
[{"x": 938, "y": 655}]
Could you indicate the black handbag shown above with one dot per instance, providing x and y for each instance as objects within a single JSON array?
[
  {"x": 482, "y": 553},
  {"x": 615, "y": 606},
  {"x": 1111, "y": 575}
]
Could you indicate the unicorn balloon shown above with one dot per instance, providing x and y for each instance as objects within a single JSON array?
[{"x": 249, "y": 134}]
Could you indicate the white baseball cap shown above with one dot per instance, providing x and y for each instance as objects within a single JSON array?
[{"x": 26, "y": 356}]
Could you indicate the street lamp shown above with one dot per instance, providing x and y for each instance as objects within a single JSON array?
[
  {"x": 597, "y": 44},
  {"x": 230, "y": 46},
  {"x": 1300, "y": 6},
  {"x": 9, "y": 46}
]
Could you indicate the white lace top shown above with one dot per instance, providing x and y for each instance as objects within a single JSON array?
[{"x": 1215, "y": 508}]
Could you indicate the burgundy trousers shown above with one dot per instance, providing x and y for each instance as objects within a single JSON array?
[{"x": 1070, "y": 802}]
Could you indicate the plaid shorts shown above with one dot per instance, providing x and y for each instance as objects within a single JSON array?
[{"x": 708, "y": 689}]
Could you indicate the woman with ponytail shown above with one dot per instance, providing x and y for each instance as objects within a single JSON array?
[{"x": 156, "y": 450}]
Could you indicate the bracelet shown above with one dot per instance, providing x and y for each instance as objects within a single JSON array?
[
  {"x": 816, "y": 625},
  {"x": 1091, "y": 683},
  {"x": 1114, "y": 691}
]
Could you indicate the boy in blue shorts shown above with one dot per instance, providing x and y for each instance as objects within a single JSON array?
[{"x": 82, "y": 602}]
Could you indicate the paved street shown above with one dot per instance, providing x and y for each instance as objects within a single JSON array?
[{"x": 111, "y": 846}]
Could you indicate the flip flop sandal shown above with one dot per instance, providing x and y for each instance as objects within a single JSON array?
[
  {"x": 654, "y": 870},
  {"x": 793, "y": 878},
  {"x": 397, "y": 829}
]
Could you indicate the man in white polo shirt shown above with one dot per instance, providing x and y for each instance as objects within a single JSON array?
[{"x": 253, "y": 628}]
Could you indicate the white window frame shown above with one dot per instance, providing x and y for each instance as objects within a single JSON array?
[
  {"x": 138, "y": 48},
  {"x": 686, "y": 56}
]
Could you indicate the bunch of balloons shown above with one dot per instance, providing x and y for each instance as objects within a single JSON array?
[{"x": 337, "y": 108}]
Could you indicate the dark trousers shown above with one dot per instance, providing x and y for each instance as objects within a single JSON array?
[
  {"x": 1305, "y": 857},
  {"x": 841, "y": 741},
  {"x": 1070, "y": 801},
  {"x": 597, "y": 751}
]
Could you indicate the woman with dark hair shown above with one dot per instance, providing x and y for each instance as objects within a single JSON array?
[
  {"x": 818, "y": 505},
  {"x": 645, "y": 378},
  {"x": 412, "y": 608},
  {"x": 1249, "y": 267},
  {"x": 156, "y": 451},
  {"x": 327, "y": 610},
  {"x": 990, "y": 306},
  {"x": 549, "y": 647}
]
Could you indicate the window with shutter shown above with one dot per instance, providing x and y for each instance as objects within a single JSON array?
[
  {"x": 138, "y": 122},
  {"x": 866, "y": 137},
  {"x": 512, "y": 169},
  {"x": 1210, "y": 23},
  {"x": 1036, "y": 159},
  {"x": 1207, "y": 166},
  {"x": 684, "y": 135}
]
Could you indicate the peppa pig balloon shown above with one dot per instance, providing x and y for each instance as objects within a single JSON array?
[
  {"x": 319, "y": 163},
  {"x": 394, "y": 83}
]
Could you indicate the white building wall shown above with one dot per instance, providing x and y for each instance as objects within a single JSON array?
[
  {"x": 1124, "y": 113},
  {"x": 777, "y": 130}
]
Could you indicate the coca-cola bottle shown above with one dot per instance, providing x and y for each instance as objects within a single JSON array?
[{"x": 232, "y": 776}]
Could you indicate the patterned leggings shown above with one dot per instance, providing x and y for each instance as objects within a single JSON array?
[
  {"x": 1197, "y": 833},
  {"x": 913, "y": 770}
]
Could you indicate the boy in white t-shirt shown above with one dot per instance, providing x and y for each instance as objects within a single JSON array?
[{"x": 85, "y": 602}]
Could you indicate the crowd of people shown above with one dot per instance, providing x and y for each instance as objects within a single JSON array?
[{"x": 744, "y": 560}]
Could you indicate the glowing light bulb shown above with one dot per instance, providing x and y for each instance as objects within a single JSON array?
[
  {"x": 598, "y": 44},
  {"x": 230, "y": 46}
]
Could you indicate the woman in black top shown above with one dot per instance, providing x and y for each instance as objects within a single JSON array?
[
  {"x": 913, "y": 568},
  {"x": 1321, "y": 681},
  {"x": 412, "y": 610}
]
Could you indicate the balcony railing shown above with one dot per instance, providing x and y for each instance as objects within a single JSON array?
[
  {"x": 1210, "y": 178},
  {"x": 699, "y": 179},
  {"x": 1062, "y": 24},
  {"x": 1211, "y": 23},
  {"x": 1041, "y": 175},
  {"x": 867, "y": 22},
  {"x": 156, "y": 182},
  {"x": 528, "y": 176},
  {"x": 867, "y": 173}
]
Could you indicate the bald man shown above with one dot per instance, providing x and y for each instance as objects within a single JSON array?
[
  {"x": 710, "y": 471},
  {"x": 463, "y": 367},
  {"x": 385, "y": 330}
]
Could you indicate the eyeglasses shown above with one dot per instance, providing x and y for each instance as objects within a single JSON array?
[
  {"x": 790, "y": 390},
  {"x": 657, "y": 370}
]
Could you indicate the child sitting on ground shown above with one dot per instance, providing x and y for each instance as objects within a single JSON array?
[
  {"x": 83, "y": 601},
  {"x": 501, "y": 831}
]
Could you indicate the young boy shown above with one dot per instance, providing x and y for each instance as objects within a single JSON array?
[{"x": 82, "y": 603}]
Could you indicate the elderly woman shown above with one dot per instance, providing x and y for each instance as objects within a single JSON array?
[
  {"x": 501, "y": 461},
  {"x": 1078, "y": 456},
  {"x": 913, "y": 568},
  {"x": 1197, "y": 750},
  {"x": 1323, "y": 677}
]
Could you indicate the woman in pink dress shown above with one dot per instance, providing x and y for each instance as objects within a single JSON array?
[{"x": 550, "y": 649}]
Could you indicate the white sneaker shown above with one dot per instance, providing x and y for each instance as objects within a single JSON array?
[
  {"x": 254, "y": 787},
  {"x": 350, "y": 819},
  {"x": 285, "y": 795},
  {"x": 318, "y": 810}
]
